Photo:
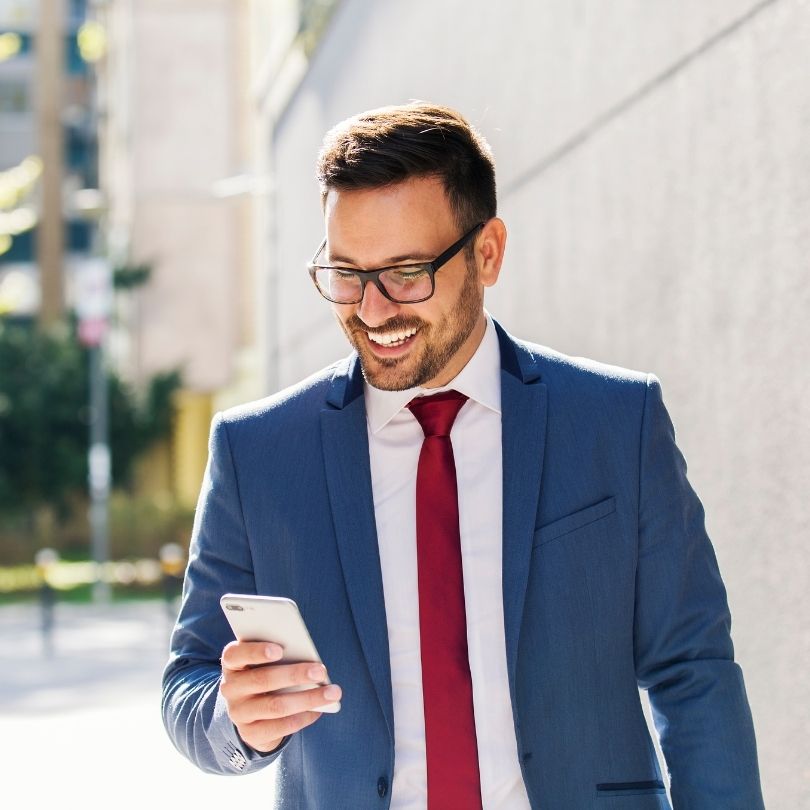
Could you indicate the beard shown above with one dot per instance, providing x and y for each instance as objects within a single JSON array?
[{"x": 439, "y": 342}]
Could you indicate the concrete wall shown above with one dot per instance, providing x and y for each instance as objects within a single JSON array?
[{"x": 654, "y": 173}]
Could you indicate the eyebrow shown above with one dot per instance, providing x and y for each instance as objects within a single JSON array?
[{"x": 390, "y": 262}]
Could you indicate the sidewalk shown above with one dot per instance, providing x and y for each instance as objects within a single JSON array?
[{"x": 86, "y": 718}]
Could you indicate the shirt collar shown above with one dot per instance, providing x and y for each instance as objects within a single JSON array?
[{"x": 480, "y": 380}]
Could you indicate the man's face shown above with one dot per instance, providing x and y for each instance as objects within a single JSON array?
[{"x": 405, "y": 345}]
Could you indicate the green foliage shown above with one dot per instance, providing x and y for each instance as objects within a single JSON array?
[
  {"x": 43, "y": 385},
  {"x": 129, "y": 276},
  {"x": 140, "y": 526},
  {"x": 44, "y": 418}
]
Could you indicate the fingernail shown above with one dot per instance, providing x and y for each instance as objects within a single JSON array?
[
  {"x": 317, "y": 673},
  {"x": 273, "y": 652},
  {"x": 332, "y": 692}
]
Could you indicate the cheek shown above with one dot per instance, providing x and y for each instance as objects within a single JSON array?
[
  {"x": 343, "y": 312},
  {"x": 425, "y": 313},
  {"x": 442, "y": 305}
]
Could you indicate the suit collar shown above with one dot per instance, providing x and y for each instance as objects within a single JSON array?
[
  {"x": 346, "y": 384},
  {"x": 523, "y": 440},
  {"x": 344, "y": 440},
  {"x": 517, "y": 359}
]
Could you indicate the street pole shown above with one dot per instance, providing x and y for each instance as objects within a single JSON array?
[
  {"x": 93, "y": 305},
  {"x": 99, "y": 470}
]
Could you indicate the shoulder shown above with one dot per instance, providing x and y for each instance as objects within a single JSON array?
[
  {"x": 578, "y": 383},
  {"x": 592, "y": 395},
  {"x": 556, "y": 367},
  {"x": 298, "y": 402}
]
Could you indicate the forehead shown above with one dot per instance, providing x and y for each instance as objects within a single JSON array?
[{"x": 370, "y": 225}]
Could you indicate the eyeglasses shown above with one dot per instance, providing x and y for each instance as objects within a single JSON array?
[{"x": 402, "y": 284}]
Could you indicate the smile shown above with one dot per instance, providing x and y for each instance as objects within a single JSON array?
[{"x": 392, "y": 339}]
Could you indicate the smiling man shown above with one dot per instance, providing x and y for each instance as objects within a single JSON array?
[{"x": 493, "y": 544}]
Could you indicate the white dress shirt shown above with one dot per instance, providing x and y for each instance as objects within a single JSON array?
[{"x": 395, "y": 440}]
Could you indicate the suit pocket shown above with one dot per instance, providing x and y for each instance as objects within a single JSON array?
[
  {"x": 576, "y": 520},
  {"x": 652, "y": 787}
]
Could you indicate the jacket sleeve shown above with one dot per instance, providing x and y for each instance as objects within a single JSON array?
[
  {"x": 220, "y": 561},
  {"x": 684, "y": 656}
]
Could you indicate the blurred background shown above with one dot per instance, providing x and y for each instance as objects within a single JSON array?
[{"x": 158, "y": 206}]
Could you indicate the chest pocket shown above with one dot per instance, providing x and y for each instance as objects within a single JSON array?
[{"x": 576, "y": 520}]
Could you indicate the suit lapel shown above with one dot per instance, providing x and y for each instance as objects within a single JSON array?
[
  {"x": 348, "y": 476},
  {"x": 523, "y": 434}
]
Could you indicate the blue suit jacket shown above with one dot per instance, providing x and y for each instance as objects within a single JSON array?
[{"x": 609, "y": 582}]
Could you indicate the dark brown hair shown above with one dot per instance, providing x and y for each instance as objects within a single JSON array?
[{"x": 391, "y": 144}]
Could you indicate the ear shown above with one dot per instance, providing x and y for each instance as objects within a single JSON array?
[{"x": 490, "y": 246}]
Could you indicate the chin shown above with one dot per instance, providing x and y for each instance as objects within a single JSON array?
[
  {"x": 387, "y": 376},
  {"x": 387, "y": 379}
]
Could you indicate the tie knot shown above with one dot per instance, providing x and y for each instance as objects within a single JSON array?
[{"x": 437, "y": 413}]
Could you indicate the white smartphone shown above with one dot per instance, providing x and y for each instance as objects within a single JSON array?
[{"x": 276, "y": 619}]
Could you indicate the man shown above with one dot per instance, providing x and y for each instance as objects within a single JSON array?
[{"x": 488, "y": 572}]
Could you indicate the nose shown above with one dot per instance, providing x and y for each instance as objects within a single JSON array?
[{"x": 375, "y": 309}]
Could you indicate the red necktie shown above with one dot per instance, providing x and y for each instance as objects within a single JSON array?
[{"x": 453, "y": 781}]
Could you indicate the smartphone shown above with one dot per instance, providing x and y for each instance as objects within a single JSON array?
[{"x": 276, "y": 619}]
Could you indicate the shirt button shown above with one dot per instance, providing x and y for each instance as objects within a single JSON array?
[{"x": 382, "y": 787}]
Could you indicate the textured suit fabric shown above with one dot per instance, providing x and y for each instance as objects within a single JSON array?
[{"x": 609, "y": 583}]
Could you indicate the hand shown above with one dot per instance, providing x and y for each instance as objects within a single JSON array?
[{"x": 250, "y": 682}]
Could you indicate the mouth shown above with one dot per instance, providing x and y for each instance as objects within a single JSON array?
[{"x": 387, "y": 344}]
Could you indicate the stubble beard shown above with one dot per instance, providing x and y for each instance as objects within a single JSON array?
[{"x": 398, "y": 374}]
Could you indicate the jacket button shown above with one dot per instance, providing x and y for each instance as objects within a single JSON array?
[{"x": 382, "y": 787}]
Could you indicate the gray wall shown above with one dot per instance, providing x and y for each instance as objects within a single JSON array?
[{"x": 654, "y": 173}]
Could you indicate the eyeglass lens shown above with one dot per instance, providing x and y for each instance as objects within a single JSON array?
[{"x": 411, "y": 284}]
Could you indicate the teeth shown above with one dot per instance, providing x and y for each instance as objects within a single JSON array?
[{"x": 391, "y": 338}]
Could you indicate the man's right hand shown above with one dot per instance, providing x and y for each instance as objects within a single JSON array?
[{"x": 250, "y": 682}]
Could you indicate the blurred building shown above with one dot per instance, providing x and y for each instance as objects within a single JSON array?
[
  {"x": 62, "y": 152},
  {"x": 176, "y": 163}
]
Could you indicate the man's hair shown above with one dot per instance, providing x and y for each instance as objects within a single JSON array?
[{"x": 388, "y": 145}]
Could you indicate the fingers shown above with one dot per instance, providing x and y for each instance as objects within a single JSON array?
[
  {"x": 267, "y": 735},
  {"x": 243, "y": 654},
  {"x": 251, "y": 682},
  {"x": 282, "y": 705},
  {"x": 245, "y": 683},
  {"x": 264, "y": 720}
]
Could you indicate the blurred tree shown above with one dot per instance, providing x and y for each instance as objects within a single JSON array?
[
  {"x": 44, "y": 418},
  {"x": 130, "y": 276}
]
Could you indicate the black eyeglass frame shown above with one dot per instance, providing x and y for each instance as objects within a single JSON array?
[{"x": 373, "y": 276}]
